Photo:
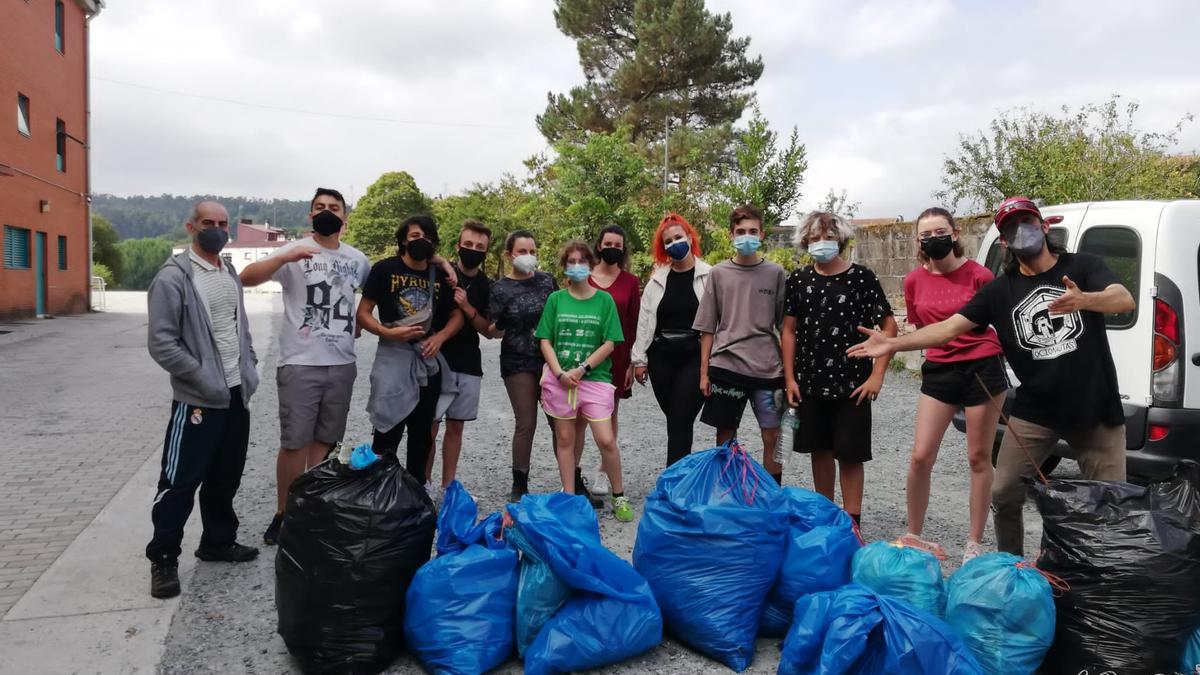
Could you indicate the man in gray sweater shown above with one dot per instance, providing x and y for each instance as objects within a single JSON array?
[{"x": 198, "y": 332}]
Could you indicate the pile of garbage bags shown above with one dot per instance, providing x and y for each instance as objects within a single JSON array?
[
  {"x": 351, "y": 542},
  {"x": 711, "y": 542},
  {"x": 1131, "y": 558},
  {"x": 461, "y": 605}
]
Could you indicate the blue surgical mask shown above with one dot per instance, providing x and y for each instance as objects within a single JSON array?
[
  {"x": 823, "y": 250},
  {"x": 578, "y": 273},
  {"x": 747, "y": 244},
  {"x": 679, "y": 249}
]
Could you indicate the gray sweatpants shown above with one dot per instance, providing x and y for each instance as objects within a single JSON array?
[{"x": 1101, "y": 453}]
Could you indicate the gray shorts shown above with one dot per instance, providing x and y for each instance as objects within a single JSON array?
[
  {"x": 459, "y": 400},
  {"x": 314, "y": 402}
]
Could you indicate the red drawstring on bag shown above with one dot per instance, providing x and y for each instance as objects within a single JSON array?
[
  {"x": 738, "y": 453},
  {"x": 1057, "y": 584}
]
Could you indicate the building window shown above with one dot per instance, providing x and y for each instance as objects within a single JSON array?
[
  {"x": 58, "y": 26},
  {"x": 23, "y": 114},
  {"x": 62, "y": 252},
  {"x": 61, "y": 145},
  {"x": 16, "y": 247}
]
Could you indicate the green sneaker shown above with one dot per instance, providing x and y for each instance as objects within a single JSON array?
[{"x": 622, "y": 510}]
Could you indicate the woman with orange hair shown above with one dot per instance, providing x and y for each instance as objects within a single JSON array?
[{"x": 667, "y": 350}]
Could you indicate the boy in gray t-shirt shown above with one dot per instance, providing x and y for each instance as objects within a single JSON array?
[
  {"x": 317, "y": 365},
  {"x": 739, "y": 319}
]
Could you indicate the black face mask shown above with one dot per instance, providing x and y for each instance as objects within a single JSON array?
[
  {"x": 326, "y": 223},
  {"x": 212, "y": 240},
  {"x": 938, "y": 247},
  {"x": 419, "y": 249},
  {"x": 469, "y": 258},
  {"x": 612, "y": 256}
]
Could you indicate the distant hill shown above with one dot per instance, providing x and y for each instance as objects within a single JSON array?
[{"x": 163, "y": 215}]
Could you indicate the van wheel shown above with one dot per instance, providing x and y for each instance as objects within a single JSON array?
[{"x": 1048, "y": 465}]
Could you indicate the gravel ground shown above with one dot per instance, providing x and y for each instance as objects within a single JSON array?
[{"x": 226, "y": 621}]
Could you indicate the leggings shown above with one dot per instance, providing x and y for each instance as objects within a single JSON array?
[
  {"x": 675, "y": 378},
  {"x": 524, "y": 392},
  {"x": 419, "y": 424}
]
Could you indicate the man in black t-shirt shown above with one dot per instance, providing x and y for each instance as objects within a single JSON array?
[
  {"x": 459, "y": 400},
  {"x": 1048, "y": 309},
  {"x": 417, "y": 315}
]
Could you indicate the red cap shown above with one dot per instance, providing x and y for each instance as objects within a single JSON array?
[{"x": 1015, "y": 205}]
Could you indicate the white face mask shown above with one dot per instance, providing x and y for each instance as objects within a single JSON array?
[{"x": 525, "y": 263}]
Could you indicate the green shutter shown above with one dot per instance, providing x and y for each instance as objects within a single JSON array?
[
  {"x": 62, "y": 252},
  {"x": 16, "y": 247}
]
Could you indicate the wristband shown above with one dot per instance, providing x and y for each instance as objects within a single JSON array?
[{"x": 587, "y": 367}]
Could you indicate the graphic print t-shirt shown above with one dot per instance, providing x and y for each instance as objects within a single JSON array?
[
  {"x": 1067, "y": 375},
  {"x": 402, "y": 294},
  {"x": 828, "y": 311},
  {"x": 319, "y": 304},
  {"x": 576, "y": 328},
  {"x": 515, "y": 305}
]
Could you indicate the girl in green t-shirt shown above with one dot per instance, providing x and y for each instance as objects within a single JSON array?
[{"x": 577, "y": 332}]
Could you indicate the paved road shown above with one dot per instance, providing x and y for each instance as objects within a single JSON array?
[
  {"x": 81, "y": 407},
  {"x": 226, "y": 622}
]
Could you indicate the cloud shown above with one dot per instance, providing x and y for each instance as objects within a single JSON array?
[{"x": 879, "y": 90}]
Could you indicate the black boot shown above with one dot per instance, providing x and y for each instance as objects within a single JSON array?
[
  {"x": 581, "y": 489},
  {"x": 164, "y": 578},
  {"x": 520, "y": 486}
]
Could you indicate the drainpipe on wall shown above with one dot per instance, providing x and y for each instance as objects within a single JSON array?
[{"x": 87, "y": 93}]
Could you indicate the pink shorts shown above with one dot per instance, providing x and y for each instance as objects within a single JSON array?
[{"x": 594, "y": 400}]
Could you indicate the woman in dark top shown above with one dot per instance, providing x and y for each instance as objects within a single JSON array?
[
  {"x": 667, "y": 350},
  {"x": 515, "y": 306},
  {"x": 609, "y": 275}
]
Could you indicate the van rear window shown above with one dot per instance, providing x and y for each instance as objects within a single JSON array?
[{"x": 1120, "y": 248}]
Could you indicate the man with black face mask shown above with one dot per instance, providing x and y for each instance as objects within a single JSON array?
[
  {"x": 1048, "y": 310},
  {"x": 459, "y": 400},
  {"x": 417, "y": 315},
  {"x": 198, "y": 332},
  {"x": 317, "y": 369}
]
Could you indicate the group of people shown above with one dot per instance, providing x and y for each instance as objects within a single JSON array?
[{"x": 708, "y": 338}]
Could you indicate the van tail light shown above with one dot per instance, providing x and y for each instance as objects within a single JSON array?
[
  {"x": 1159, "y": 432},
  {"x": 1165, "y": 380}
]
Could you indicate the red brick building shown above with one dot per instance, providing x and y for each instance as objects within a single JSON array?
[{"x": 44, "y": 165}]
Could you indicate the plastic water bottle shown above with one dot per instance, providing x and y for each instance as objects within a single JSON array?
[{"x": 787, "y": 434}]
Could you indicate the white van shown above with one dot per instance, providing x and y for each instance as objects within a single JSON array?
[{"x": 1154, "y": 248}]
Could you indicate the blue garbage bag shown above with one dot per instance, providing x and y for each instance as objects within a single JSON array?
[
  {"x": 711, "y": 542},
  {"x": 540, "y": 594},
  {"x": 461, "y": 606},
  {"x": 610, "y": 615},
  {"x": 1004, "y": 611},
  {"x": 1190, "y": 663},
  {"x": 820, "y": 546},
  {"x": 856, "y": 631},
  {"x": 913, "y": 575}
]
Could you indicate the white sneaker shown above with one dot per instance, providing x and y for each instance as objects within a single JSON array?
[
  {"x": 971, "y": 551},
  {"x": 600, "y": 486}
]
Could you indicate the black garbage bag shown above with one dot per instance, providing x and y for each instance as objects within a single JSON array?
[
  {"x": 1131, "y": 556},
  {"x": 350, "y": 545}
]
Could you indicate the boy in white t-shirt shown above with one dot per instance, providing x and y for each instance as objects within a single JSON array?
[{"x": 317, "y": 365}]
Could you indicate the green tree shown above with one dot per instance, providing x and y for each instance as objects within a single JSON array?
[
  {"x": 142, "y": 258},
  {"x": 101, "y": 270},
  {"x": 839, "y": 203},
  {"x": 502, "y": 206},
  {"x": 104, "y": 248},
  {"x": 767, "y": 175},
  {"x": 1095, "y": 153},
  {"x": 372, "y": 224}
]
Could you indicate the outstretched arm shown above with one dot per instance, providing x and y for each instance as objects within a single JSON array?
[{"x": 879, "y": 344}]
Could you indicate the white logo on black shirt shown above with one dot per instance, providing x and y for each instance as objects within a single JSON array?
[{"x": 1045, "y": 335}]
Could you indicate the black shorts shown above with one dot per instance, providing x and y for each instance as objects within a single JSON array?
[
  {"x": 956, "y": 383},
  {"x": 727, "y": 399},
  {"x": 841, "y": 426}
]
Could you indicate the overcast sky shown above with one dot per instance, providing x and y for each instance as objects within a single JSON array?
[{"x": 447, "y": 90}]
